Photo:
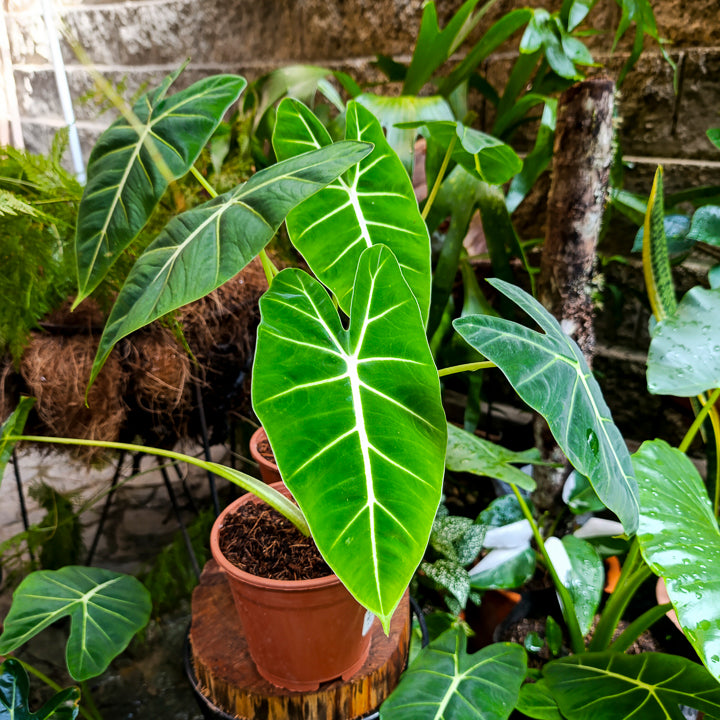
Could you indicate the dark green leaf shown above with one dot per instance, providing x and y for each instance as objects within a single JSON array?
[
  {"x": 553, "y": 635},
  {"x": 13, "y": 427},
  {"x": 504, "y": 568},
  {"x": 105, "y": 608},
  {"x": 706, "y": 225},
  {"x": 365, "y": 457},
  {"x": 550, "y": 374},
  {"x": 677, "y": 236},
  {"x": 679, "y": 539},
  {"x": 613, "y": 686},
  {"x": 580, "y": 496},
  {"x": 445, "y": 683},
  {"x": 126, "y": 177},
  {"x": 586, "y": 581},
  {"x": 536, "y": 701},
  {"x": 501, "y": 511},
  {"x": 684, "y": 356},
  {"x": 221, "y": 236}
]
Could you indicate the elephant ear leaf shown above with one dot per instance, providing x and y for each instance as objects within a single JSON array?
[
  {"x": 549, "y": 372},
  {"x": 14, "y": 697},
  {"x": 105, "y": 608},
  {"x": 373, "y": 203},
  {"x": 132, "y": 165}
]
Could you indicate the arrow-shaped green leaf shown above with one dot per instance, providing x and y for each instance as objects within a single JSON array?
[
  {"x": 105, "y": 608},
  {"x": 549, "y": 372},
  {"x": 372, "y": 203},
  {"x": 202, "y": 248},
  {"x": 356, "y": 423},
  {"x": 125, "y": 182}
]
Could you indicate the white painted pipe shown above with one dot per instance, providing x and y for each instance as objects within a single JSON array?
[{"x": 63, "y": 90}]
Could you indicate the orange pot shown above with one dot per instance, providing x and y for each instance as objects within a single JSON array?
[
  {"x": 268, "y": 470},
  {"x": 300, "y": 633}
]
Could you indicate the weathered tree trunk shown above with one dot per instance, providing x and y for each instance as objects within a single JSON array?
[{"x": 581, "y": 166}]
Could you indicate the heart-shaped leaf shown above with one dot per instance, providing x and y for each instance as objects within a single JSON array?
[
  {"x": 221, "y": 237},
  {"x": 679, "y": 539},
  {"x": 614, "y": 686},
  {"x": 684, "y": 355},
  {"x": 105, "y": 608},
  {"x": 355, "y": 421},
  {"x": 125, "y": 181},
  {"x": 444, "y": 682},
  {"x": 373, "y": 203},
  {"x": 14, "y": 697},
  {"x": 468, "y": 453},
  {"x": 536, "y": 701},
  {"x": 549, "y": 372},
  {"x": 12, "y": 427},
  {"x": 706, "y": 225}
]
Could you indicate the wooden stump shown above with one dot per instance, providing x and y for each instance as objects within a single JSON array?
[{"x": 227, "y": 676}]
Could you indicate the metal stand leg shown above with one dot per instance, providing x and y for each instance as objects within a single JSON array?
[
  {"x": 206, "y": 448},
  {"x": 21, "y": 497}
]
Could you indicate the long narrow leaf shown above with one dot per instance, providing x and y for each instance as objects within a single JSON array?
[{"x": 11, "y": 427}]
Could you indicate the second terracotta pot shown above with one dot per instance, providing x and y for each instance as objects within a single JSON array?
[
  {"x": 299, "y": 633},
  {"x": 268, "y": 469}
]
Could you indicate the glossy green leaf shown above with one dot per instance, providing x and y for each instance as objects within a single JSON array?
[
  {"x": 684, "y": 355},
  {"x": 221, "y": 237},
  {"x": 545, "y": 32},
  {"x": 468, "y": 453},
  {"x": 125, "y": 181},
  {"x": 504, "y": 568},
  {"x": 15, "y": 694},
  {"x": 394, "y": 111},
  {"x": 614, "y": 686},
  {"x": 706, "y": 225},
  {"x": 365, "y": 457},
  {"x": 579, "y": 495},
  {"x": 483, "y": 155},
  {"x": 536, "y": 701},
  {"x": 679, "y": 539},
  {"x": 445, "y": 683},
  {"x": 586, "y": 580},
  {"x": 575, "y": 11},
  {"x": 105, "y": 608},
  {"x": 549, "y": 372},
  {"x": 676, "y": 235},
  {"x": 12, "y": 427},
  {"x": 714, "y": 136},
  {"x": 502, "y": 511},
  {"x": 372, "y": 203}
]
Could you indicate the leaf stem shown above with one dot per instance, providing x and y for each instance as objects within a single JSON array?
[
  {"x": 707, "y": 405},
  {"x": 466, "y": 367},
  {"x": 438, "y": 180},
  {"x": 89, "y": 701},
  {"x": 257, "y": 487},
  {"x": 638, "y": 626},
  {"x": 268, "y": 266},
  {"x": 568, "y": 607},
  {"x": 209, "y": 189}
]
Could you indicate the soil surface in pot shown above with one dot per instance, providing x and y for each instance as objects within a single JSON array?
[
  {"x": 260, "y": 541},
  {"x": 263, "y": 447}
]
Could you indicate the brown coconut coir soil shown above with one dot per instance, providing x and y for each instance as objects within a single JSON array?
[{"x": 260, "y": 541}]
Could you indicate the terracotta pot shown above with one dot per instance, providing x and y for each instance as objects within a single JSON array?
[
  {"x": 299, "y": 633},
  {"x": 268, "y": 470}
]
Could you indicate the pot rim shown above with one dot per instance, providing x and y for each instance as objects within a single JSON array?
[
  {"x": 258, "y": 580},
  {"x": 255, "y": 438}
]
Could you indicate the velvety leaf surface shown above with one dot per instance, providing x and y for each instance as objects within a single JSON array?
[
  {"x": 14, "y": 697},
  {"x": 679, "y": 539},
  {"x": 11, "y": 427},
  {"x": 549, "y": 372},
  {"x": 445, "y": 683},
  {"x": 684, "y": 355},
  {"x": 202, "y": 248},
  {"x": 356, "y": 423},
  {"x": 372, "y": 203},
  {"x": 105, "y": 608},
  {"x": 468, "y": 453},
  {"x": 124, "y": 181},
  {"x": 614, "y": 686}
]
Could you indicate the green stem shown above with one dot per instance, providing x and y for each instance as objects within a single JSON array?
[
  {"x": 51, "y": 684},
  {"x": 568, "y": 607},
  {"x": 270, "y": 270},
  {"x": 209, "y": 189},
  {"x": 257, "y": 487},
  {"x": 467, "y": 367},
  {"x": 633, "y": 575},
  {"x": 637, "y": 627},
  {"x": 89, "y": 701},
  {"x": 438, "y": 180},
  {"x": 699, "y": 419}
]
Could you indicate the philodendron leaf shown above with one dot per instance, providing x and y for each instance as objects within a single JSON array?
[
  {"x": 125, "y": 181},
  {"x": 504, "y": 568},
  {"x": 14, "y": 697},
  {"x": 468, "y": 453},
  {"x": 550, "y": 374},
  {"x": 105, "y": 608},
  {"x": 445, "y": 683},
  {"x": 12, "y": 427},
  {"x": 355, "y": 421},
  {"x": 202, "y": 248},
  {"x": 706, "y": 225},
  {"x": 684, "y": 355},
  {"x": 614, "y": 686},
  {"x": 536, "y": 701},
  {"x": 372, "y": 203},
  {"x": 679, "y": 539}
]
